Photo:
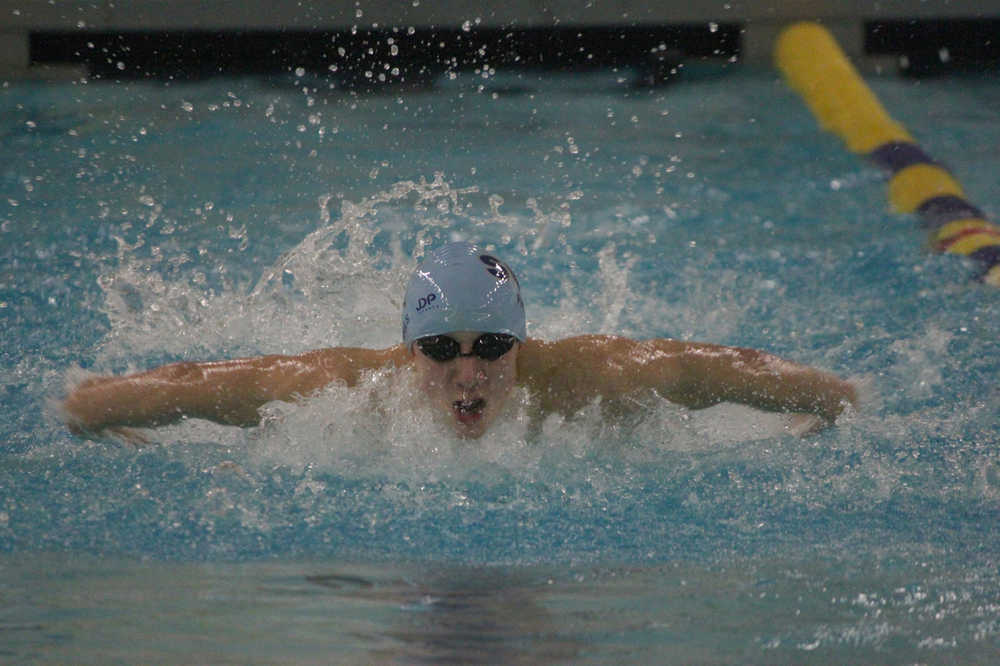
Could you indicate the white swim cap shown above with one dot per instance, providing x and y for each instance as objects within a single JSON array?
[{"x": 459, "y": 288}]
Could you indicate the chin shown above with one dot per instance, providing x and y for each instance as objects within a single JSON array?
[{"x": 470, "y": 431}]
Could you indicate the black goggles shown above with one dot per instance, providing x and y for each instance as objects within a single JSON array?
[{"x": 488, "y": 346}]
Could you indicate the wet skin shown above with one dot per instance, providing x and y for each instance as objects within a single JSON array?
[{"x": 469, "y": 392}]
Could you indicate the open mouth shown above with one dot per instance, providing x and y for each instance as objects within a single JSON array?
[{"x": 469, "y": 411}]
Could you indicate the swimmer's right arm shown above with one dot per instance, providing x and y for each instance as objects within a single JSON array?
[{"x": 227, "y": 392}]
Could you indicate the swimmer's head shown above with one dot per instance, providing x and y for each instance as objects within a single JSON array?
[{"x": 460, "y": 288}]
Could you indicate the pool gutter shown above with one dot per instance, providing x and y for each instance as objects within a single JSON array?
[{"x": 24, "y": 22}]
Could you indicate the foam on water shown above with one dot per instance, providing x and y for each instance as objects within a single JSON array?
[{"x": 341, "y": 285}]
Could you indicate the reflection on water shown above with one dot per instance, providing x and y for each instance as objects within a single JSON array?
[
  {"x": 462, "y": 615},
  {"x": 858, "y": 609}
]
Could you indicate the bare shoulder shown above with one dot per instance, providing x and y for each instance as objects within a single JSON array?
[
  {"x": 593, "y": 353},
  {"x": 345, "y": 364},
  {"x": 567, "y": 374},
  {"x": 282, "y": 377}
]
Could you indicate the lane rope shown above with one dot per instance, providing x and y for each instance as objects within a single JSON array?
[{"x": 816, "y": 68}]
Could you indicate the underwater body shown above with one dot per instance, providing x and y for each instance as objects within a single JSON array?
[{"x": 145, "y": 223}]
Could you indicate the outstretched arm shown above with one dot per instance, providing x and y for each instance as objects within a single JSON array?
[
  {"x": 227, "y": 392},
  {"x": 576, "y": 370}
]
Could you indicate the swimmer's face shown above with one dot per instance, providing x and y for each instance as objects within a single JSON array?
[{"x": 468, "y": 390}]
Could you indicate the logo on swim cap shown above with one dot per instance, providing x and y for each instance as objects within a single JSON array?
[
  {"x": 497, "y": 269},
  {"x": 459, "y": 288},
  {"x": 425, "y": 301}
]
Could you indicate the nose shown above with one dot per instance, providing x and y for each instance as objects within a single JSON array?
[{"x": 468, "y": 372}]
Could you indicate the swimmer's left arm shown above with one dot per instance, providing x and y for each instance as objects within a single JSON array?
[
  {"x": 709, "y": 374},
  {"x": 696, "y": 375}
]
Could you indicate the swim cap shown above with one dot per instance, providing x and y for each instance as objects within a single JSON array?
[{"x": 459, "y": 288}]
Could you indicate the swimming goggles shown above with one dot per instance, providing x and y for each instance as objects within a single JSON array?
[{"x": 488, "y": 346}]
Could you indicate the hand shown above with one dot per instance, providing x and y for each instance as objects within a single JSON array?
[
  {"x": 802, "y": 425},
  {"x": 129, "y": 436}
]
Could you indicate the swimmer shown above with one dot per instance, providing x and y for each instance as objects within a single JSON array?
[{"x": 465, "y": 340}]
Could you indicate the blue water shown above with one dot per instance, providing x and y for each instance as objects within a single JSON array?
[{"x": 143, "y": 223}]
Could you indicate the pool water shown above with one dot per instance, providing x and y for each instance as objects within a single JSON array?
[{"x": 143, "y": 223}]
